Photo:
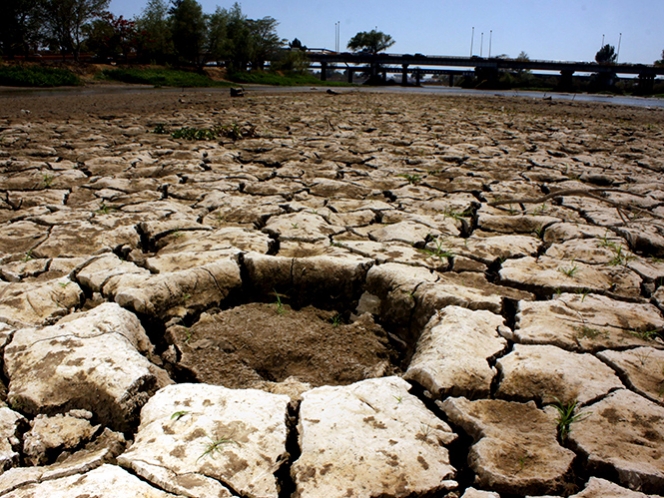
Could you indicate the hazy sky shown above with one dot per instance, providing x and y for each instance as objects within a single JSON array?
[{"x": 544, "y": 29}]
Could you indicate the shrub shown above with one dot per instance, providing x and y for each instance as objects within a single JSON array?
[{"x": 37, "y": 76}]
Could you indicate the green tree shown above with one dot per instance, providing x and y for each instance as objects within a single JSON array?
[
  {"x": 154, "y": 41},
  {"x": 264, "y": 41},
  {"x": 218, "y": 48},
  {"x": 188, "y": 30},
  {"x": 606, "y": 55},
  {"x": 661, "y": 61},
  {"x": 21, "y": 27},
  {"x": 111, "y": 37},
  {"x": 64, "y": 21},
  {"x": 238, "y": 41},
  {"x": 372, "y": 42}
]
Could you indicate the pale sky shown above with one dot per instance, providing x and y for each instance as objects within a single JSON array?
[{"x": 544, "y": 29}]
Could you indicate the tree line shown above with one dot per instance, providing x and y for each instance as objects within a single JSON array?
[{"x": 175, "y": 32}]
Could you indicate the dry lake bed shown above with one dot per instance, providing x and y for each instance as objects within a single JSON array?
[{"x": 330, "y": 295}]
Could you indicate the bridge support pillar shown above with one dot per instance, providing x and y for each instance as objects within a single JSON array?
[
  {"x": 566, "y": 79},
  {"x": 351, "y": 73},
  {"x": 404, "y": 74},
  {"x": 418, "y": 77},
  {"x": 646, "y": 83},
  {"x": 323, "y": 71},
  {"x": 451, "y": 80}
]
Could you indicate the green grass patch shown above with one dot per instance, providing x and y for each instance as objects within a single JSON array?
[
  {"x": 274, "y": 79},
  {"x": 37, "y": 76},
  {"x": 160, "y": 77}
]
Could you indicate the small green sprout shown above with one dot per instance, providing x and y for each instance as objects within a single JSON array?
[
  {"x": 566, "y": 416},
  {"x": 178, "y": 415},
  {"x": 47, "y": 180},
  {"x": 103, "y": 209},
  {"x": 412, "y": 179},
  {"x": 336, "y": 320},
  {"x": 27, "y": 257},
  {"x": 280, "y": 306}
]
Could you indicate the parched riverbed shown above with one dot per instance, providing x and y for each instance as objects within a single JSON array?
[{"x": 330, "y": 295}]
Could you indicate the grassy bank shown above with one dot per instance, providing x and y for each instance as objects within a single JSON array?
[
  {"x": 160, "y": 77},
  {"x": 266, "y": 78},
  {"x": 37, "y": 76}
]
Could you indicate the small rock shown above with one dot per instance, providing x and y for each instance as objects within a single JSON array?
[
  {"x": 371, "y": 438},
  {"x": 88, "y": 361},
  {"x": 107, "y": 481},
  {"x": 624, "y": 433},
  {"x": 10, "y": 424},
  {"x": 547, "y": 372},
  {"x": 451, "y": 357},
  {"x": 601, "y": 488},
  {"x": 49, "y": 436},
  {"x": 643, "y": 369},
  {"x": 515, "y": 450},
  {"x": 195, "y": 439},
  {"x": 586, "y": 323}
]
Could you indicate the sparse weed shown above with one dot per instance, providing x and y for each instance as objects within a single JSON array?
[
  {"x": 424, "y": 432},
  {"x": 398, "y": 398},
  {"x": 412, "y": 179},
  {"x": 566, "y": 416},
  {"x": 539, "y": 210},
  {"x": 47, "y": 180},
  {"x": 64, "y": 284},
  {"x": 187, "y": 133},
  {"x": 186, "y": 297},
  {"x": 336, "y": 320},
  {"x": 570, "y": 271},
  {"x": 280, "y": 306},
  {"x": 642, "y": 357},
  {"x": 586, "y": 332},
  {"x": 453, "y": 213},
  {"x": 539, "y": 231},
  {"x": 438, "y": 252},
  {"x": 187, "y": 335},
  {"x": 522, "y": 461},
  {"x": 646, "y": 335},
  {"x": 215, "y": 445},
  {"x": 233, "y": 131},
  {"x": 103, "y": 209},
  {"x": 160, "y": 129},
  {"x": 605, "y": 242},
  {"x": 27, "y": 257},
  {"x": 620, "y": 257}
]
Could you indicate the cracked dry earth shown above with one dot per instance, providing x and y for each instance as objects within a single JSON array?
[{"x": 376, "y": 296}]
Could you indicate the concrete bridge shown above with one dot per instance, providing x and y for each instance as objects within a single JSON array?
[{"x": 330, "y": 60}]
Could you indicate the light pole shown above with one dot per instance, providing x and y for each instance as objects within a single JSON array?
[
  {"x": 472, "y": 39},
  {"x": 618, "y": 53},
  {"x": 490, "y": 37},
  {"x": 336, "y": 36},
  {"x": 481, "y": 43}
]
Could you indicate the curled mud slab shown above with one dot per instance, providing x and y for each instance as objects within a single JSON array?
[{"x": 376, "y": 295}]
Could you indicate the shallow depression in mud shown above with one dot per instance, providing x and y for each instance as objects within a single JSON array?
[{"x": 254, "y": 343}]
